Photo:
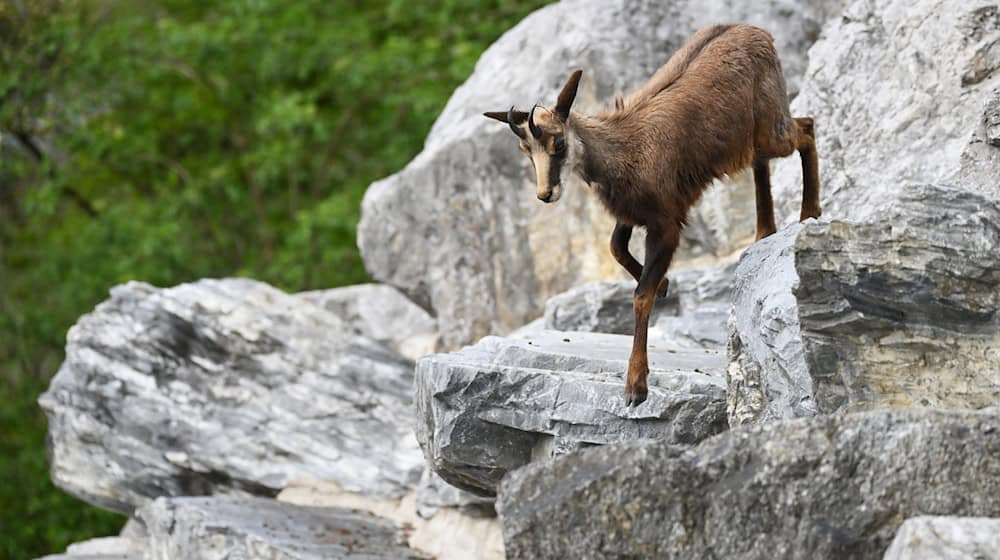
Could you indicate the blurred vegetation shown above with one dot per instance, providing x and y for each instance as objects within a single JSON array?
[{"x": 168, "y": 140}]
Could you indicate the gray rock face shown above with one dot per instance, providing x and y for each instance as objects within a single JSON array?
[
  {"x": 493, "y": 407},
  {"x": 833, "y": 487},
  {"x": 902, "y": 312},
  {"x": 459, "y": 229},
  {"x": 946, "y": 538},
  {"x": 902, "y": 92},
  {"x": 264, "y": 529},
  {"x": 693, "y": 314},
  {"x": 225, "y": 386},
  {"x": 435, "y": 493},
  {"x": 383, "y": 314}
]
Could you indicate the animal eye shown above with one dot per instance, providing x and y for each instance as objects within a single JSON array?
[{"x": 560, "y": 145}]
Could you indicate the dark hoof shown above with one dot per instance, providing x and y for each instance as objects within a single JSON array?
[{"x": 635, "y": 397}]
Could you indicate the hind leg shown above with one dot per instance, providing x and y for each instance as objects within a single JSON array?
[
  {"x": 765, "y": 205},
  {"x": 806, "y": 145}
]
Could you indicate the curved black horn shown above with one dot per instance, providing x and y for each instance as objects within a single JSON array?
[
  {"x": 511, "y": 119},
  {"x": 535, "y": 131}
]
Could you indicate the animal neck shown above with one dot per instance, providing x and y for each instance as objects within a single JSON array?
[{"x": 603, "y": 158}]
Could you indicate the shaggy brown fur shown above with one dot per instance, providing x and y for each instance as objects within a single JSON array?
[{"x": 718, "y": 106}]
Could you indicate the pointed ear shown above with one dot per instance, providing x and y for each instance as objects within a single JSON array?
[{"x": 567, "y": 95}]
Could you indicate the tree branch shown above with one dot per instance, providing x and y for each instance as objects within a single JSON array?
[{"x": 36, "y": 151}]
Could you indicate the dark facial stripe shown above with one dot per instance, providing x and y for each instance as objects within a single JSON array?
[{"x": 555, "y": 167}]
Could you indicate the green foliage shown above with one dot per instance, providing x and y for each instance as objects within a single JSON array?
[
  {"x": 168, "y": 140},
  {"x": 35, "y": 517}
]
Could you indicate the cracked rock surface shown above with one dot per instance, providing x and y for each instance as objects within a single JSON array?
[
  {"x": 850, "y": 316},
  {"x": 830, "y": 487},
  {"x": 265, "y": 529},
  {"x": 225, "y": 386},
  {"x": 903, "y": 92},
  {"x": 495, "y": 406}
]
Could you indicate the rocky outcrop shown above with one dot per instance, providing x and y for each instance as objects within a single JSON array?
[
  {"x": 225, "y": 386},
  {"x": 451, "y": 533},
  {"x": 901, "y": 92},
  {"x": 493, "y": 407},
  {"x": 260, "y": 528},
  {"x": 103, "y": 548},
  {"x": 247, "y": 527},
  {"x": 900, "y": 312},
  {"x": 693, "y": 313},
  {"x": 946, "y": 538},
  {"x": 459, "y": 229},
  {"x": 832, "y": 487},
  {"x": 381, "y": 313}
]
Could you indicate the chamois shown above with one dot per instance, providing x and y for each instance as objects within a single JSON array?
[{"x": 718, "y": 106}]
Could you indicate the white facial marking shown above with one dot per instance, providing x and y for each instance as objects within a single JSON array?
[{"x": 541, "y": 160}]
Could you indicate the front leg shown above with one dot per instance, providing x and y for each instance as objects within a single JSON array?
[
  {"x": 620, "y": 237},
  {"x": 659, "y": 251}
]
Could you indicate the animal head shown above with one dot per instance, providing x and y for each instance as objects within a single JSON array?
[{"x": 543, "y": 136}]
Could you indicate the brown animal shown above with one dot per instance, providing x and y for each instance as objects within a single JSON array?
[{"x": 718, "y": 106}]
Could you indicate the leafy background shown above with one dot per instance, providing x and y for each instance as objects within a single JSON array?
[{"x": 169, "y": 140}]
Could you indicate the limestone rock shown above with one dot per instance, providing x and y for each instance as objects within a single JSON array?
[
  {"x": 264, "y": 529},
  {"x": 901, "y": 91},
  {"x": 828, "y": 487},
  {"x": 493, "y": 407},
  {"x": 899, "y": 312},
  {"x": 693, "y": 314},
  {"x": 946, "y": 538},
  {"x": 224, "y": 386},
  {"x": 451, "y": 533},
  {"x": 434, "y": 493},
  {"x": 459, "y": 229},
  {"x": 103, "y": 548},
  {"x": 383, "y": 314}
]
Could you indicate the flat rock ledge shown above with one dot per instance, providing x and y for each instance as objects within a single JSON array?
[
  {"x": 853, "y": 316},
  {"x": 946, "y": 538},
  {"x": 248, "y": 527},
  {"x": 264, "y": 529},
  {"x": 828, "y": 487},
  {"x": 495, "y": 406}
]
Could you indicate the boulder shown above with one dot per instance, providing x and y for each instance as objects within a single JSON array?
[
  {"x": 225, "y": 386},
  {"x": 103, "y": 548},
  {"x": 693, "y": 313},
  {"x": 497, "y": 405},
  {"x": 383, "y": 314},
  {"x": 946, "y": 538},
  {"x": 435, "y": 493},
  {"x": 459, "y": 229},
  {"x": 850, "y": 316},
  {"x": 902, "y": 92},
  {"x": 451, "y": 533},
  {"x": 828, "y": 487},
  {"x": 264, "y": 529}
]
